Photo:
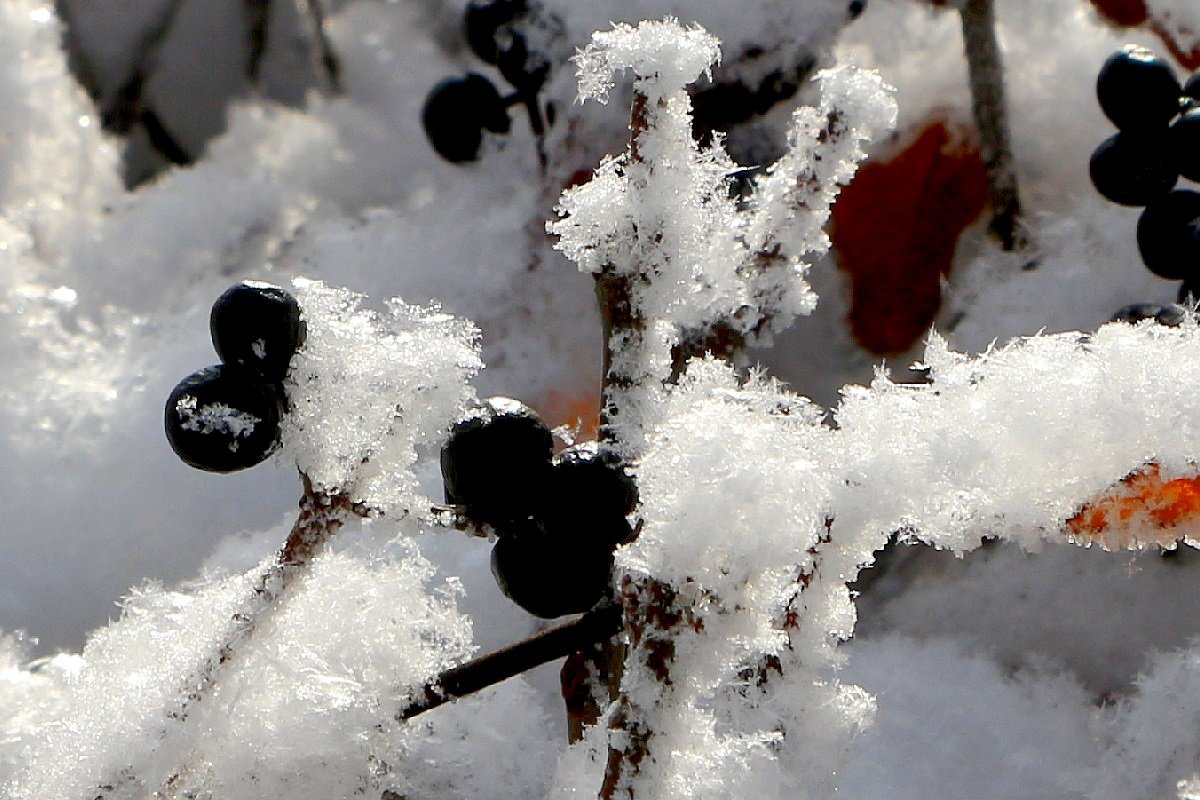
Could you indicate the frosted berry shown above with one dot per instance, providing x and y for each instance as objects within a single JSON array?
[
  {"x": 1169, "y": 315},
  {"x": 258, "y": 326},
  {"x": 1184, "y": 139},
  {"x": 1137, "y": 90},
  {"x": 488, "y": 26},
  {"x": 1133, "y": 168},
  {"x": 495, "y": 463},
  {"x": 1168, "y": 235},
  {"x": 458, "y": 111},
  {"x": 222, "y": 419},
  {"x": 589, "y": 495},
  {"x": 550, "y": 577}
]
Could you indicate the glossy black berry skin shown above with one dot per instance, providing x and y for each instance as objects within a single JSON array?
[
  {"x": 488, "y": 26},
  {"x": 551, "y": 577},
  {"x": 1137, "y": 90},
  {"x": 458, "y": 111},
  {"x": 495, "y": 464},
  {"x": 1133, "y": 168},
  {"x": 1184, "y": 139},
  {"x": 1169, "y": 315},
  {"x": 1168, "y": 235},
  {"x": 524, "y": 68},
  {"x": 1191, "y": 88},
  {"x": 222, "y": 419},
  {"x": 589, "y": 495},
  {"x": 258, "y": 326}
]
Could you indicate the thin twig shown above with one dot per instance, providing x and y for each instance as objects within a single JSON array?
[
  {"x": 320, "y": 517},
  {"x": 330, "y": 63},
  {"x": 986, "y": 74},
  {"x": 257, "y": 14},
  {"x": 492, "y": 668},
  {"x": 124, "y": 108}
]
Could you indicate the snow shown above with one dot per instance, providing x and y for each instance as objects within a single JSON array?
[{"x": 1027, "y": 667}]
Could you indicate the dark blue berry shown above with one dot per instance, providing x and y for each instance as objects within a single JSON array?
[
  {"x": 1168, "y": 235},
  {"x": 589, "y": 495},
  {"x": 257, "y": 326},
  {"x": 488, "y": 26},
  {"x": 222, "y": 419},
  {"x": 1184, "y": 140},
  {"x": 1191, "y": 89},
  {"x": 496, "y": 462},
  {"x": 1169, "y": 315},
  {"x": 1137, "y": 90},
  {"x": 549, "y": 576},
  {"x": 458, "y": 111},
  {"x": 1133, "y": 168}
]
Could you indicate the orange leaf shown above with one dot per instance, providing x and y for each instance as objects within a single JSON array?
[
  {"x": 1142, "y": 509},
  {"x": 895, "y": 228}
]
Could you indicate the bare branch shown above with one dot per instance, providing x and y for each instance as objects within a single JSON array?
[{"x": 986, "y": 73}]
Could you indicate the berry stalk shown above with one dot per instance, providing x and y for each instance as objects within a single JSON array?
[{"x": 500, "y": 665}]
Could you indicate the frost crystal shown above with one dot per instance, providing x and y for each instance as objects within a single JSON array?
[
  {"x": 368, "y": 389},
  {"x": 214, "y": 418},
  {"x": 661, "y": 217}
]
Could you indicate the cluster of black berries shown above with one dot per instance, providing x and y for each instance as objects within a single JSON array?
[
  {"x": 558, "y": 519},
  {"x": 225, "y": 418},
  {"x": 1157, "y": 142},
  {"x": 458, "y": 110}
]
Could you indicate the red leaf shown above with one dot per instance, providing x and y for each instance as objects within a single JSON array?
[
  {"x": 1183, "y": 43},
  {"x": 895, "y": 228}
]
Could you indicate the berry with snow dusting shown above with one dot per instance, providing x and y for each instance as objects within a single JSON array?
[
  {"x": 258, "y": 326},
  {"x": 496, "y": 462},
  {"x": 222, "y": 419}
]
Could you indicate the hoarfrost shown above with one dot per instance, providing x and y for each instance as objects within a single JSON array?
[{"x": 368, "y": 389}]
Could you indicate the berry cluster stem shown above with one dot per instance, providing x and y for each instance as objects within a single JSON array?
[
  {"x": 500, "y": 665},
  {"x": 331, "y": 65},
  {"x": 257, "y": 14},
  {"x": 985, "y": 70},
  {"x": 321, "y": 516}
]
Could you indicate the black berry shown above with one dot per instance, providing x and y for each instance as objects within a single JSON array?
[
  {"x": 524, "y": 68},
  {"x": 1133, "y": 168},
  {"x": 550, "y": 577},
  {"x": 458, "y": 111},
  {"x": 1168, "y": 315},
  {"x": 1191, "y": 89},
  {"x": 222, "y": 419},
  {"x": 1137, "y": 90},
  {"x": 589, "y": 495},
  {"x": 856, "y": 8},
  {"x": 1168, "y": 235},
  {"x": 1184, "y": 139},
  {"x": 257, "y": 326},
  {"x": 496, "y": 462},
  {"x": 488, "y": 26}
]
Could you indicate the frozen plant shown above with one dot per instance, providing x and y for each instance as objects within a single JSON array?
[{"x": 754, "y": 514}]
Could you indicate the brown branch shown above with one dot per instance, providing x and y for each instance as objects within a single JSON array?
[
  {"x": 321, "y": 516},
  {"x": 986, "y": 74},
  {"x": 500, "y": 665}
]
